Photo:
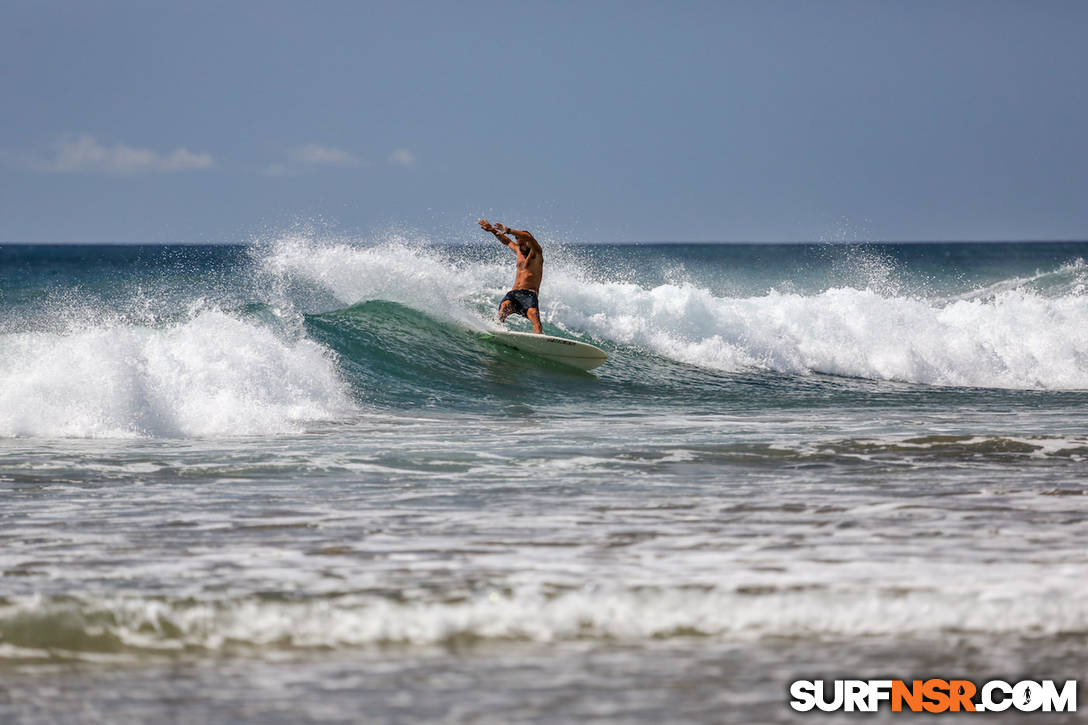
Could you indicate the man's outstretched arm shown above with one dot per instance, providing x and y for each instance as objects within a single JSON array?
[
  {"x": 499, "y": 231},
  {"x": 519, "y": 234}
]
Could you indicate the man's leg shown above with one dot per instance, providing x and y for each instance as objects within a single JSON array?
[
  {"x": 534, "y": 317},
  {"x": 505, "y": 310}
]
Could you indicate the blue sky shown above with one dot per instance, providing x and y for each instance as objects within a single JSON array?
[{"x": 591, "y": 121}]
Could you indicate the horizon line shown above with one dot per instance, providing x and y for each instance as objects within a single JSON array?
[
  {"x": 616, "y": 243},
  {"x": 59, "y": 243}
]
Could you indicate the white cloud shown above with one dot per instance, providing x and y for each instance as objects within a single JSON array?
[
  {"x": 306, "y": 157},
  {"x": 277, "y": 169},
  {"x": 402, "y": 157},
  {"x": 84, "y": 154},
  {"x": 313, "y": 154}
]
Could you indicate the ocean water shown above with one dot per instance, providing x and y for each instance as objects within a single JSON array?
[{"x": 290, "y": 482}]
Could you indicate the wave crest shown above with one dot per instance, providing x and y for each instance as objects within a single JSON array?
[{"x": 1006, "y": 336}]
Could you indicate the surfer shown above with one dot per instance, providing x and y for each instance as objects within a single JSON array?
[{"x": 522, "y": 299}]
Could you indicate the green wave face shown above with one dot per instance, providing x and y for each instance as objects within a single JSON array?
[{"x": 394, "y": 355}]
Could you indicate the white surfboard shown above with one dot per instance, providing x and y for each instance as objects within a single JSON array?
[{"x": 569, "y": 352}]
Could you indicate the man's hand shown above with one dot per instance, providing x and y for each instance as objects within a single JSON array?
[{"x": 496, "y": 228}]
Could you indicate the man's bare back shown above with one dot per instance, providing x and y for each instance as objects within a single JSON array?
[{"x": 522, "y": 299}]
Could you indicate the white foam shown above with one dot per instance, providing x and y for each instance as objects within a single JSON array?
[
  {"x": 587, "y": 613},
  {"x": 213, "y": 375},
  {"x": 1017, "y": 340}
]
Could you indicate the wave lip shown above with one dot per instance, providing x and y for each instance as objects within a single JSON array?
[
  {"x": 212, "y": 375},
  {"x": 421, "y": 278}
]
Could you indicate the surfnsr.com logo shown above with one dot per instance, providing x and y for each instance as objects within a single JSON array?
[{"x": 933, "y": 695}]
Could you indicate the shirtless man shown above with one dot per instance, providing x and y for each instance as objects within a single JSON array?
[{"x": 522, "y": 299}]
